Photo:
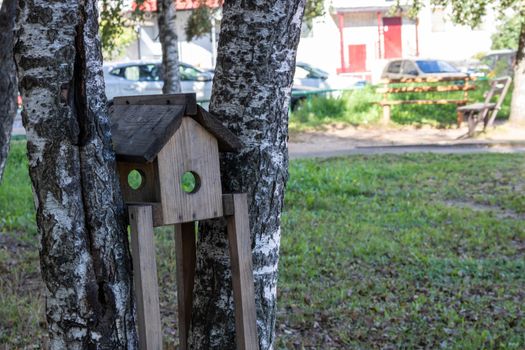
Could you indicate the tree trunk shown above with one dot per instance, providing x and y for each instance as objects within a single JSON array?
[
  {"x": 84, "y": 252},
  {"x": 517, "y": 108},
  {"x": 251, "y": 96},
  {"x": 8, "y": 88},
  {"x": 169, "y": 42}
]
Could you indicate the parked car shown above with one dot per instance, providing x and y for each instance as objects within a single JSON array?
[
  {"x": 308, "y": 77},
  {"x": 309, "y": 81},
  {"x": 412, "y": 68},
  {"x": 499, "y": 63},
  {"x": 145, "y": 78}
]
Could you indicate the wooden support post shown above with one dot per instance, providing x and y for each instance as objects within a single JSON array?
[
  {"x": 185, "y": 260},
  {"x": 386, "y": 114},
  {"x": 145, "y": 277},
  {"x": 242, "y": 274},
  {"x": 459, "y": 118}
]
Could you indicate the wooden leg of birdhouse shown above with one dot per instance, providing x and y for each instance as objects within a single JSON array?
[
  {"x": 242, "y": 274},
  {"x": 145, "y": 277},
  {"x": 185, "y": 259}
]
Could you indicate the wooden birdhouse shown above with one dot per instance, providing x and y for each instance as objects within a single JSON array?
[
  {"x": 167, "y": 150},
  {"x": 164, "y": 141}
]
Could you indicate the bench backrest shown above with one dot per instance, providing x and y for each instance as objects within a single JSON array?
[
  {"x": 498, "y": 88},
  {"x": 426, "y": 84}
]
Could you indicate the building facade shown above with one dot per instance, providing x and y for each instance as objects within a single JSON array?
[
  {"x": 357, "y": 37},
  {"x": 354, "y": 38}
]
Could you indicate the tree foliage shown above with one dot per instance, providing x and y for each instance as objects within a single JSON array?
[
  {"x": 199, "y": 22},
  {"x": 467, "y": 12},
  {"x": 508, "y": 33},
  {"x": 111, "y": 27},
  {"x": 116, "y": 30}
]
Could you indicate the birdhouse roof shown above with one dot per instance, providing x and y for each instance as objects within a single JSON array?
[{"x": 142, "y": 125}]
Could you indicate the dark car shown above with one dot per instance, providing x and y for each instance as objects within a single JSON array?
[
  {"x": 499, "y": 63},
  {"x": 412, "y": 68}
]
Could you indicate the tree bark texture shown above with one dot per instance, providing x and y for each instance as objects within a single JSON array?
[
  {"x": 251, "y": 95},
  {"x": 8, "y": 88},
  {"x": 84, "y": 253},
  {"x": 169, "y": 43},
  {"x": 517, "y": 108}
]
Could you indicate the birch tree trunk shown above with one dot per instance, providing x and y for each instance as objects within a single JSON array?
[
  {"x": 169, "y": 42},
  {"x": 84, "y": 254},
  {"x": 517, "y": 108},
  {"x": 8, "y": 88},
  {"x": 251, "y": 95}
]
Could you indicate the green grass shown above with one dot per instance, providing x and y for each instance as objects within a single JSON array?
[
  {"x": 383, "y": 251},
  {"x": 17, "y": 211},
  {"x": 405, "y": 251},
  {"x": 359, "y": 107}
]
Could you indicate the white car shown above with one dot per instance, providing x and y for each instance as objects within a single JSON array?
[
  {"x": 145, "y": 78},
  {"x": 310, "y": 78}
]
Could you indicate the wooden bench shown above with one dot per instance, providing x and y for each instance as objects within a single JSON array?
[
  {"x": 391, "y": 87},
  {"x": 487, "y": 110}
]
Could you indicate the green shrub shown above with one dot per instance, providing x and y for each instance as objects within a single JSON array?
[{"x": 351, "y": 107}]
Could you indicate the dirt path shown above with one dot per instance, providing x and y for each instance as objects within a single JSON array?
[{"x": 337, "y": 141}]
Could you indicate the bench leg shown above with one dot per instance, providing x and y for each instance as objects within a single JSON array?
[
  {"x": 489, "y": 119},
  {"x": 472, "y": 122},
  {"x": 459, "y": 118},
  {"x": 386, "y": 114}
]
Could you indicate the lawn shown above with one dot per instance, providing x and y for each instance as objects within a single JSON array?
[{"x": 378, "y": 252}]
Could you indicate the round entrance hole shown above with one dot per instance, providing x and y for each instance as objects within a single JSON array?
[
  {"x": 190, "y": 182},
  {"x": 136, "y": 179}
]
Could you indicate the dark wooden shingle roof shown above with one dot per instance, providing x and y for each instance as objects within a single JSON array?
[{"x": 142, "y": 125}]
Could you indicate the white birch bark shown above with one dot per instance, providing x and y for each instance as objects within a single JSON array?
[
  {"x": 517, "y": 108},
  {"x": 8, "y": 89},
  {"x": 84, "y": 255},
  {"x": 169, "y": 42},
  {"x": 251, "y": 95}
]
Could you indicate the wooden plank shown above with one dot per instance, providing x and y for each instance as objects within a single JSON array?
[
  {"x": 194, "y": 149},
  {"x": 140, "y": 131},
  {"x": 185, "y": 259},
  {"x": 386, "y": 114},
  {"x": 242, "y": 275},
  {"x": 145, "y": 278},
  {"x": 156, "y": 209},
  {"x": 149, "y": 191},
  {"x": 189, "y": 100},
  {"x": 228, "y": 142},
  {"x": 435, "y": 88},
  {"x": 426, "y": 80},
  {"x": 476, "y": 107},
  {"x": 422, "y": 102}
]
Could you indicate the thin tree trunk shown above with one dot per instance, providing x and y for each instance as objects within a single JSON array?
[
  {"x": 517, "y": 108},
  {"x": 251, "y": 95},
  {"x": 84, "y": 254},
  {"x": 8, "y": 88},
  {"x": 169, "y": 42}
]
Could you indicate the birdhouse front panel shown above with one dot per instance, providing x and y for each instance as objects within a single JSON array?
[
  {"x": 139, "y": 182},
  {"x": 189, "y": 175}
]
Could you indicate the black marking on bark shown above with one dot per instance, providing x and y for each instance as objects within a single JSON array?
[{"x": 80, "y": 105}]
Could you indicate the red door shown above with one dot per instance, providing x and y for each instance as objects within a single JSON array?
[
  {"x": 392, "y": 36},
  {"x": 357, "y": 58}
]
